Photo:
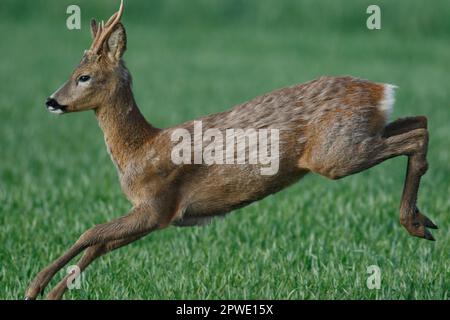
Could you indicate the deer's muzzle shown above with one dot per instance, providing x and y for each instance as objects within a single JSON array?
[{"x": 54, "y": 107}]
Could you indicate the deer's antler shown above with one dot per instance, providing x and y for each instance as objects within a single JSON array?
[{"x": 103, "y": 31}]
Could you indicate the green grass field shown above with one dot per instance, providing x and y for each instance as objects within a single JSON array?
[{"x": 314, "y": 240}]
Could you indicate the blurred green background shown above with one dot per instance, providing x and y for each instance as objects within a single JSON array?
[{"x": 314, "y": 240}]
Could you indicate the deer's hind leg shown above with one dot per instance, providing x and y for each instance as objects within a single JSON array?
[
  {"x": 339, "y": 158},
  {"x": 403, "y": 125}
]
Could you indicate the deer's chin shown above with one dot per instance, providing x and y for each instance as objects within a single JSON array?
[{"x": 59, "y": 110}]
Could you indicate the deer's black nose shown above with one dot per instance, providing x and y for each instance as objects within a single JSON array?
[
  {"x": 52, "y": 103},
  {"x": 54, "y": 107}
]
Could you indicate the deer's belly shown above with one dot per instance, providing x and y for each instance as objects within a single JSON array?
[{"x": 222, "y": 197}]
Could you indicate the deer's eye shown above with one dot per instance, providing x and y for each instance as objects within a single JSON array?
[{"x": 84, "y": 78}]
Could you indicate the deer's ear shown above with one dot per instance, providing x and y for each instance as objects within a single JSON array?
[
  {"x": 94, "y": 28},
  {"x": 117, "y": 43}
]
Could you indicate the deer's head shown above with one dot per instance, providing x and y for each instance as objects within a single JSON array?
[{"x": 100, "y": 73}]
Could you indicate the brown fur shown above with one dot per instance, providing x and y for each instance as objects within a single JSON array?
[{"x": 333, "y": 126}]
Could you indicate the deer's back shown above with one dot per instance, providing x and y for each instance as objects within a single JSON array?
[{"x": 207, "y": 190}]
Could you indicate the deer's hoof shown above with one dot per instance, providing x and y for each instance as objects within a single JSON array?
[
  {"x": 417, "y": 224},
  {"x": 428, "y": 235},
  {"x": 32, "y": 293},
  {"x": 35, "y": 288},
  {"x": 427, "y": 222}
]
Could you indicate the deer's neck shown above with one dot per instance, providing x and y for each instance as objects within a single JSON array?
[{"x": 124, "y": 127}]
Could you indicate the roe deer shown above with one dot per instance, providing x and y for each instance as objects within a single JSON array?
[{"x": 332, "y": 126}]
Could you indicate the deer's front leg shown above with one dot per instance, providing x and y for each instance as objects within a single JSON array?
[
  {"x": 141, "y": 220},
  {"x": 91, "y": 254}
]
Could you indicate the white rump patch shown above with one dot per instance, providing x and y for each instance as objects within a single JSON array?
[{"x": 387, "y": 103}]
